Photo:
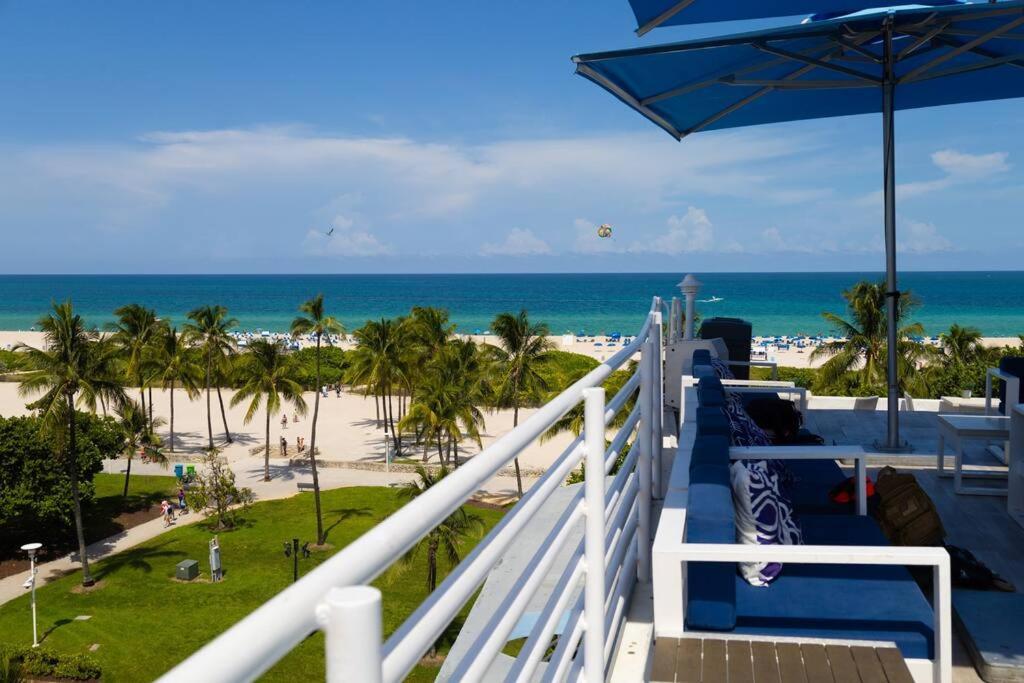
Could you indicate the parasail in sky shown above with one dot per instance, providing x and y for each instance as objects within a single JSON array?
[{"x": 605, "y": 231}]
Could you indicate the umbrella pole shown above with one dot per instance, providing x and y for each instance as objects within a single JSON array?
[{"x": 892, "y": 292}]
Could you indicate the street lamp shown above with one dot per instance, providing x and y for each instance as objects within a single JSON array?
[
  {"x": 292, "y": 550},
  {"x": 32, "y": 549}
]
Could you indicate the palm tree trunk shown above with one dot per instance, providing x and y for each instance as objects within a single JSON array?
[
  {"x": 376, "y": 404},
  {"x": 172, "y": 415},
  {"x": 76, "y": 497},
  {"x": 127, "y": 474},
  {"x": 209, "y": 409},
  {"x": 103, "y": 404},
  {"x": 266, "y": 450},
  {"x": 391, "y": 422},
  {"x": 223, "y": 415},
  {"x": 519, "y": 475},
  {"x": 320, "y": 540},
  {"x": 142, "y": 396},
  {"x": 440, "y": 450},
  {"x": 150, "y": 408}
]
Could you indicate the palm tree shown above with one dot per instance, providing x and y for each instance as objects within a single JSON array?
[
  {"x": 864, "y": 348},
  {"x": 962, "y": 345},
  {"x": 445, "y": 409},
  {"x": 446, "y": 539},
  {"x": 268, "y": 370},
  {"x": 136, "y": 435},
  {"x": 175, "y": 366},
  {"x": 72, "y": 370},
  {"x": 319, "y": 324},
  {"x": 209, "y": 330},
  {"x": 133, "y": 332},
  {"x": 523, "y": 344},
  {"x": 379, "y": 365}
]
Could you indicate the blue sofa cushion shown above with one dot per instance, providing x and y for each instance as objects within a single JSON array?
[
  {"x": 701, "y": 357},
  {"x": 810, "y": 483},
  {"x": 711, "y": 420},
  {"x": 712, "y": 449},
  {"x": 840, "y": 601},
  {"x": 711, "y": 588}
]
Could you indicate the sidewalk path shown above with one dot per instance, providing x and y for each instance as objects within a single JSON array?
[{"x": 283, "y": 484}]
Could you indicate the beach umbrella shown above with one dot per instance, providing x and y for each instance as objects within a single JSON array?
[
  {"x": 869, "y": 62},
  {"x": 651, "y": 14}
]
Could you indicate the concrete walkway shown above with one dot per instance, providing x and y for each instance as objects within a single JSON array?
[{"x": 283, "y": 484}]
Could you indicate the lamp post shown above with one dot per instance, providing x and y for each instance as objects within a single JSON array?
[
  {"x": 292, "y": 550},
  {"x": 690, "y": 286},
  {"x": 32, "y": 549}
]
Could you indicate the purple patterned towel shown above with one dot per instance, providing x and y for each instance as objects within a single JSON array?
[{"x": 764, "y": 516}]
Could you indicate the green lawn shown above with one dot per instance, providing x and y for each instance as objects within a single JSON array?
[
  {"x": 144, "y": 491},
  {"x": 145, "y": 622}
]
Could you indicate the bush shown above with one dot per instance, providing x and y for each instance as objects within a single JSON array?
[
  {"x": 802, "y": 377},
  {"x": 37, "y": 661},
  {"x": 332, "y": 366},
  {"x": 35, "y": 490}
]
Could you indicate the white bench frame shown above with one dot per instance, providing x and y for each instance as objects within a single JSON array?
[
  {"x": 939, "y": 670},
  {"x": 1012, "y": 389}
]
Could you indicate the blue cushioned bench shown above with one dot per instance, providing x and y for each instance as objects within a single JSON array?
[{"x": 846, "y": 583}]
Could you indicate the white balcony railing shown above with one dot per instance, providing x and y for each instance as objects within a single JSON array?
[{"x": 613, "y": 554}]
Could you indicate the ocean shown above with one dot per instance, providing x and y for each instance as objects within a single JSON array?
[{"x": 776, "y": 303}]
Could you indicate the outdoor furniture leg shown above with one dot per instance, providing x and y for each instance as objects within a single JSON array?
[{"x": 940, "y": 459}]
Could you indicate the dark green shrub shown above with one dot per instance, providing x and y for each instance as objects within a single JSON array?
[{"x": 38, "y": 661}]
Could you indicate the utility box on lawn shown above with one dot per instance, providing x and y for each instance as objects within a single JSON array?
[{"x": 187, "y": 570}]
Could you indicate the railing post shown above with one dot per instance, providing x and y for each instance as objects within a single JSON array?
[
  {"x": 644, "y": 466},
  {"x": 352, "y": 623},
  {"x": 594, "y": 545},
  {"x": 658, "y": 398}
]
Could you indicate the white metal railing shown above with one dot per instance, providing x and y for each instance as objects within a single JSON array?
[{"x": 614, "y": 552}]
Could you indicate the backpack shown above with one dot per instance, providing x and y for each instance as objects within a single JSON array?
[
  {"x": 777, "y": 416},
  {"x": 905, "y": 513}
]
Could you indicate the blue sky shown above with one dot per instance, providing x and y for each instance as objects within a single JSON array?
[{"x": 441, "y": 137}]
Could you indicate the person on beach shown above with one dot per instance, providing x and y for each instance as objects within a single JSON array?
[
  {"x": 284, "y": 447},
  {"x": 284, "y": 421},
  {"x": 295, "y": 417},
  {"x": 165, "y": 510}
]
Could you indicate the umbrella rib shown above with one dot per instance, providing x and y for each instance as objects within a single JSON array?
[
  {"x": 786, "y": 54},
  {"x": 979, "y": 50},
  {"x": 858, "y": 49},
  {"x": 628, "y": 98},
  {"x": 799, "y": 85},
  {"x": 753, "y": 97},
  {"x": 921, "y": 40},
  {"x": 1012, "y": 60},
  {"x": 664, "y": 16},
  {"x": 725, "y": 73},
  {"x": 966, "y": 47}
]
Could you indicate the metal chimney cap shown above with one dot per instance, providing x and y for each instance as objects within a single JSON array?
[{"x": 690, "y": 284}]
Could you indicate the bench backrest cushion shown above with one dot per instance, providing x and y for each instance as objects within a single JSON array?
[
  {"x": 701, "y": 357},
  {"x": 710, "y": 587},
  {"x": 1013, "y": 365},
  {"x": 711, "y": 421},
  {"x": 743, "y": 430}
]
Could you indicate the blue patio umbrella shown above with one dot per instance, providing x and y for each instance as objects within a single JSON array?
[
  {"x": 871, "y": 61},
  {"x": 651, "y": 14}
]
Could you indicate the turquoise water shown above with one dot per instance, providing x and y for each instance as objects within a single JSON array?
[{"x": 785, "y": 303}]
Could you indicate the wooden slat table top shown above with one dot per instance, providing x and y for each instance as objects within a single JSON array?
[{"x": 714, "y": 660}]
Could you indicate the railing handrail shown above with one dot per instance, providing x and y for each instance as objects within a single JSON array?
[{"x": 267, "y": 634}]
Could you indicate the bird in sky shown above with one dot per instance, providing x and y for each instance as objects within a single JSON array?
[{"x": 330, "y": 232}]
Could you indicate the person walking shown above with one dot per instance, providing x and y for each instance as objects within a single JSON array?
[
  {"x": 284, "y": 447},
  {"x": 165, "y": 511},
  {"x": 181, "y": 501},
  {"x": 284, "y": 421}
]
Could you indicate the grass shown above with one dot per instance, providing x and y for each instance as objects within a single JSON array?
[
  {"x": 144, "y": 491},
  {"x": 145, "y": 622}
]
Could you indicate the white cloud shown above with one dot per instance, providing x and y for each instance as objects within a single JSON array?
[
  {"x": 974, "y": 166},
  {"x": 959, "y": 167},
  {"x": 518, "y": 242},
  {"x": 689, "y": 233},
  {"x": 345, "y": 241},
  {"x": 918, "y": 237}
]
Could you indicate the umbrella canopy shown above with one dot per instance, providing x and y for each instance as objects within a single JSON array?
[
  {"x": 653, "y": 13},
  {"x": 874, "y": 61}
]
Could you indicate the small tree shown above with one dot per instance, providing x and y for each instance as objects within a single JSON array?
[{"x": 216, "y": 493}]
